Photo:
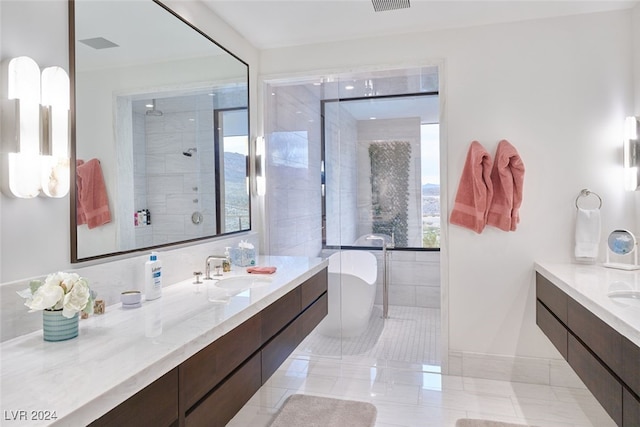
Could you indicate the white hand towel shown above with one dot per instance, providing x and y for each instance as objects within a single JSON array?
[{"x": 587, "y": 234}]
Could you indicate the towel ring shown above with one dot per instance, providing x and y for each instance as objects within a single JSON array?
[{"x": 584, "y": 193}]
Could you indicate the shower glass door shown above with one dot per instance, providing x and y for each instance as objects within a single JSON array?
[{"x": 349, "y": 157}]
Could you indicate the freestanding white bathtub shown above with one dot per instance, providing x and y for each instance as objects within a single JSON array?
[{"x": 352, "y": 291}]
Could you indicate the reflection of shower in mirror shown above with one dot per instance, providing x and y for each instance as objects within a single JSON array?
[
  {"x": 190, "y": 152},
  {"x": 153, "y": 111}
]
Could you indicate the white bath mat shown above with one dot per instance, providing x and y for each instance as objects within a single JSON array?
[{"x": 313, "y": 411}]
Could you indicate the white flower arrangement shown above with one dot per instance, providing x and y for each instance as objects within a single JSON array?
[{"x": 60, "y": 291}]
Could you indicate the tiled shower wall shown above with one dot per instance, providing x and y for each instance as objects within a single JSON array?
[
  {"x": 341, "y": 172},
  {"x": 173, "y": 188},
  {"x": 294, "y": 219},
  {"x": 403, "y": 129}
]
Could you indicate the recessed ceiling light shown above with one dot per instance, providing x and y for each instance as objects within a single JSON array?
[
  {"x": 148, "y": 105},
  {"x": 372, "y": 118},
  {"x": 349, "y": 87}
]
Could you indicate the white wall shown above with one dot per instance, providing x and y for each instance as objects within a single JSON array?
[
  {"x": 35, "y": 233},
  {"x": 558, "y": 89}
]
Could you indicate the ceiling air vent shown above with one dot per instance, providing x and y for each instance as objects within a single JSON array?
[
  {"x": 99, "y": 43},
  {"x": 382, "y": 5}
]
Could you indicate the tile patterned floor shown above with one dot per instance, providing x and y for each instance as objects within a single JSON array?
[
  {"x": 409, "y": 393},
  {"x": 410, "y": 334}
]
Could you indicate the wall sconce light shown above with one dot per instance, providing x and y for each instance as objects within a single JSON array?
[
  {"x": 630, "y": 153},
  {"x": 22, "y": 111},
  {"x": 260, "y": 166},
  {"x": 36, "y": 122},
  {"x": 55, "y": 100}
]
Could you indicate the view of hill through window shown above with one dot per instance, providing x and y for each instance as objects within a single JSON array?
[{"x": 430, "y": 162}]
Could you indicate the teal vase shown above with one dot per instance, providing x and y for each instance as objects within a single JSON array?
[{"x": 56, "y": 327}]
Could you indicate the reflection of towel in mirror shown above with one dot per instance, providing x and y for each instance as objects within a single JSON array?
[
  {"x": 507, "y": 177},
  {"x": 474, "y": 190},
  {"x": 92, "y": 202},
  {"x": 587, "y": 235}
]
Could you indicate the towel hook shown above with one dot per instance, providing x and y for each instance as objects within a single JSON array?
[{"x": 585, "y": 193}]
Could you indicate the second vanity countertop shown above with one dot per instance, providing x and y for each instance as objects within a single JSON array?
[
  {"x": 121, "y": 352},
  {"x": 590, "y": 284}
]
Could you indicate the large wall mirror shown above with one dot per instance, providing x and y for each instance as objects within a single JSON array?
[{"x": 160, "y": 129}]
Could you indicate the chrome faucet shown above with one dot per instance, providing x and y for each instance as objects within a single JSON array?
[{"x": 207, "y": 266}]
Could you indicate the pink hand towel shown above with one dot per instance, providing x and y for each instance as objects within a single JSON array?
[
  {"x": 261, "y": 270},
  {"x": 474, "y": 190},
  {"x": 92, "y": 202},
  {"x": 507, "y": 177}
]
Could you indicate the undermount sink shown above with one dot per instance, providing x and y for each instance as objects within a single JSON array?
[
  {"x": 626, "y": 297},
  {"x": 242, "y": 282}
]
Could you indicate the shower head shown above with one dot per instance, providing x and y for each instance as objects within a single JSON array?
[
  {"x": 190, "y": 152},
  {"x": 153, "y": 111}
]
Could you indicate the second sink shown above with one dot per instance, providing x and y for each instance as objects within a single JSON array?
[{"x": 626, "y": 297}]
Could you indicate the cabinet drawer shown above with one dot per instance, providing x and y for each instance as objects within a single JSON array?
[
  {"x": 156, "y": 405},
  {"x": 604, "y": 386},
  {"x": 631, "y": 366},
  {"x": 551, "y": 296},
  {"x": 313, "y": 315},
  {"x": 277, "y": 315},
  {"x": 226, "y": 400},
  {"x": 603, "y": 340},
  {"x": 630, "y": 410},
  {"x": 313, "y": 288},
  {"x": 204, "y": 370},
  {"x": 276, "y": 351},
  {"x": 552, "y": 328}
]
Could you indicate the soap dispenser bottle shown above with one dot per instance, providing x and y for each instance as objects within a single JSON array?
[
  {"x": 226, "y": 264},
  {"x": 153, "y": 278}
]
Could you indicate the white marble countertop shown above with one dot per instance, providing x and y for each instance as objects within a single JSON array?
[
  {"x": 590, "y": 285},
  {"x": 122, "y": 351}
]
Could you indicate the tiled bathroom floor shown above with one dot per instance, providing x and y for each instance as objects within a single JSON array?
[
  {"x": 410, "y": 334},
  {"x": 415, "y": 394}
]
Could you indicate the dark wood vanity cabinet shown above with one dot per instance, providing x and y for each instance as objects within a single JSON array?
[
  {"x": 155, "y": 405},
  {"x": 607, "y": 362},
  {"x": 210, "y": 387}
]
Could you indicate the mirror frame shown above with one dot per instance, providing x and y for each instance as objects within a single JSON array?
[{"x": 73, "y": 141}]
